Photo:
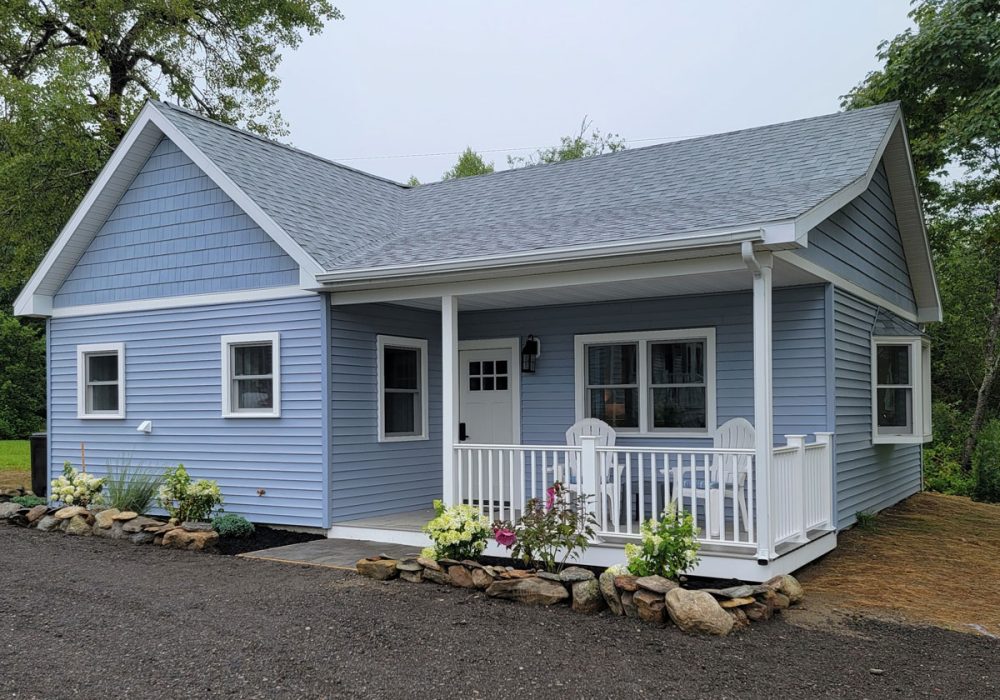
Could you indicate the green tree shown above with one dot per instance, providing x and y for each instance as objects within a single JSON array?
[
  {"x": 946, "y": 74},
  {"x": 413, "y": 181},
  {"x": 22, "y": 381},
  {"x": 469, "y": 163},
  {"x": 580, "y": 145}
]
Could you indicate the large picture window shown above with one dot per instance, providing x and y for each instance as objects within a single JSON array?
[
  {"x": 251, "y": 375},
  {"x": 654, "y": 382},
  {"x": 901, "y": 390},
  {"x": 402, "y": 388},
  {"x": 100, "y": 371}
]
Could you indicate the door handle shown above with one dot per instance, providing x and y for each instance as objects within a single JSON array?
[{"x": 462, "y": 435}]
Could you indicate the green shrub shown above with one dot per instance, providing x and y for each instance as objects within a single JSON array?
[
  {"x": 184, "y": 499},
  {"x": 669, "y": 546},
  {"x": 942, "y": 468},
  {"x": 986, "y": 464},
  {"x": 129, "y": 488},
  {"x": 232, "y": 525},
  {"x": 29, "y": 501},
  {"x": 866, "y": 521}
]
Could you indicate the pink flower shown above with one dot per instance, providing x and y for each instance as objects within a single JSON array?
[
  {"x": 504, "y": 536},
  {"x": 550, "y": 495}
]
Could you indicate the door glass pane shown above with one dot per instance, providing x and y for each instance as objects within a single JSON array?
[
  {"x": 401, "y": 366},
  {"x": 611, "y": 364},
  {"x": 251, "y": 360},
  {"x": 488, "y": 367},
  {"x": 474, "y": 384},
  {"x": 103, "y": 368},
  {"x": 677, "y": 363},
  {"x": 400, "y": 413},
  {"x": 894, "y": 409},
  {"x": 103, "y": 397},
  {"x": 501, "y": 383},
  {"x": 487, "y": 383},
  {"x": 680, "y": 407},
  {"x": 893, "y": 364},
  {"x": 501, "y": 367},
  {"x": 253, "y": 393},
  {"x": 619, "y": 408},
  {"x": 474, "y": 368}
]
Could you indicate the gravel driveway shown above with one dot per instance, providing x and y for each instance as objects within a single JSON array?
[{"x": 83, "y": 617}]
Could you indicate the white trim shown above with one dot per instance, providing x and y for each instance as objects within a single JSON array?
[
  {"x": 449, "y": 396},
  {"x": 920, "y": 387},
  {"x": 763, "y": 398},
  {"x": 514, "y": 345},
  {"x": 82, "y": 351},
  {"x": 848, "y": 286},
  {"x": 642, "y": 339},
  {"x": 226, "y": 343},
  {"x": 119, "y": 307},
  {"x": 395, "y": 341}
]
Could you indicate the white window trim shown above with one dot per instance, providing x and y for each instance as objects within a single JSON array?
[
  {"x": 227, "y": 341},
  {"x": 643, "y": 339},
  {"x": 921, "y": 390},
  {"x": 81, "y": 380},
  {"x": 383, "y": 341}
]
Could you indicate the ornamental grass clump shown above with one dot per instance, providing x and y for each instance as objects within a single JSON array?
[
  {"x": 187, "y": 500},
  {"x": 669, "y": 546},
  {"x": 131, "y": 488},
  {"x": 458, "y": 532},
  {"x": 550, "y": 533},
  {"x": 76, "y": 488}
]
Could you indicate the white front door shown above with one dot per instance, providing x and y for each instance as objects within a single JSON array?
[{"x": 488, "y": 380}]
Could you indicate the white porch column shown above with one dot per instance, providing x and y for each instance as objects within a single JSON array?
[
  {"x": 763, "y": 395},
  {"x": 449, "y": 396}
]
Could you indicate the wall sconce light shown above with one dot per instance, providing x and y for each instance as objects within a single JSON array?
[{"x": 529, "y": 354}]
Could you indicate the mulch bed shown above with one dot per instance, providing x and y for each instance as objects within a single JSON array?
[{"x": 264, "y": 537}]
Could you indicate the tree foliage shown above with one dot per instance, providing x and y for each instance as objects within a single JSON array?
[
  {"x": 469, "y": 163},
  {"x": 946, "y": 74},
  {"x": 579, "y": 145},
  {"x": 22, "y": 381}
]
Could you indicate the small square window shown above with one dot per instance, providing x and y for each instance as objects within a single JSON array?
[
  {"x": 251, "y": 375},
  {"x": 101, "y": 381}
]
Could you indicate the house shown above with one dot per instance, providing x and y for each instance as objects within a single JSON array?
[{"x": 338, "y": 350}]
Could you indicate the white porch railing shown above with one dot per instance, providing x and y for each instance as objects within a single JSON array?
[{"x": 631, "y": 484}]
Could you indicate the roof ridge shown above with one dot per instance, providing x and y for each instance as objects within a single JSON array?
[{"x": 273, "y": 142}]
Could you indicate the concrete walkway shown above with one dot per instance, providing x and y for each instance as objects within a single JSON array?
[{"x": 331, "y": 553}]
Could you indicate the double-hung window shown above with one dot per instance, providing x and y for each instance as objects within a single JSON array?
[
  {"x": 901, "y": 389},
  {"x": 402, "y": 388},
  {"x": 100, "y": 372},
  {"x": 251, "y": 375},
  {"x": 659, "y": 382}
]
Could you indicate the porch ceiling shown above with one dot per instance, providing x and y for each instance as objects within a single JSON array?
[{"x": 784, "y": 275}]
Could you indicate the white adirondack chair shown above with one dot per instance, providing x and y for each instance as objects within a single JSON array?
[
  {"x": 605, "y": 435},
  {"x": 737, "y": 433}
]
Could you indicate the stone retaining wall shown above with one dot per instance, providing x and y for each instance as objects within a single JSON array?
[{"x": 647, "y": 598}]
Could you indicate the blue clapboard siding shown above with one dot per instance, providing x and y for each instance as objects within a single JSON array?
[
  {"x": 369, "y": 477},
  {"x": 869, "y": 477},
  {"x": 547, "y": 397},
  {"x": 173, "y": 377},
  {"x": 174, "y": 232},
  {"x": 861, "y": 243}
]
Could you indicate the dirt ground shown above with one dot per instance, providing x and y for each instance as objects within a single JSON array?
[
  {"x": 87, "y": 617},
  {"x": 12, "y": 478},
  {"x": 931, "y": 559}
]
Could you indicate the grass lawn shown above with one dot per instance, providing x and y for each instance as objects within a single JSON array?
[
  {"x": 931, "y": 559},
  {"x": 15, "y": 464}
]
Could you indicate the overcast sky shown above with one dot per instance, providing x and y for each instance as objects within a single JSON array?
[{"x": 398, "y": 78}]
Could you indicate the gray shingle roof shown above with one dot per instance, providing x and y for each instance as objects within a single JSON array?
[{"x": 347, "y": 219}]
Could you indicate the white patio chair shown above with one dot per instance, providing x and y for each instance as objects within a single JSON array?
[
  {"x": 737, "y": 433},
  {"x": 605, "y": 435}
]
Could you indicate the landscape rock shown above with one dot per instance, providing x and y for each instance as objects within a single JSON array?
[
  {"x": 698, "y": 612},
  {"x": 436, "y": 576},
  {"x": 649, "y": 605},
  {"x": 408, "y": 565},
  {"x": 20, "y": 518},
  {"x": 612, "y": 598},
  {"x": 740, "y": 619},
  {"x": 587, "y": 596},
  {"x": 445, "y": 562},
  {"x": 139, "y": 523},
  {"x": 516, "y": 573},
  {"x": 428, "y": 563},
  {"x": 758, "y": 612},
  {"x": 656, "y": 584},
  {"x": 744, "y": 591},
  {"x": 572, "y": 574},
  {"x": 789, "y": 586},
  {"x": 481, "y": 579},
  {"x": 460, "y": 576},
  {"x": 532, "y": 590},
  {"x": 549, "y": 576},
  {"x": 49, "y": 522},
  {"x": 77, "y": 525},
  {"x": 105, "y": 519},
  {"x": 469, "y": 564},
  {"x": 411, "y": 576},
  {"x": 780, "y": 601},
  {"x": 628, "y": 604},
  {"x": 736, "y": 602},
  {"x": 8, "y": 509},
  {"x": 125, "y": 515},
  {"x": 378, "y": 569},
  {"x": 36, "y": 513},
  {"x": 69, "y": 512},
  {"x": 627, "y": 582},
  {"x": 179, "y": 538},
  {"x": 142, "y": 537},
  {"x": 192, "y": 526}
]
